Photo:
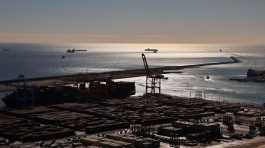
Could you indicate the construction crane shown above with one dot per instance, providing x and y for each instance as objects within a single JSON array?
[{"x": 153, "y": 80}]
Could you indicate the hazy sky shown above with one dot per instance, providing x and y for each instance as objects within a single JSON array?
[{"x": 133, "y": 21}]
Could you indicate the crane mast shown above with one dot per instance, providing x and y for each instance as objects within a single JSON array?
[{"x": 153, "y": 80}]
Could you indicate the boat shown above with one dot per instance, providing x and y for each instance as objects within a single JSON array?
[
  {"x": 75, "y": 50},
  {"x": 252, "y": 76},
  {"x": 70, "y": 50},
  {"x": 49, "y": 95},
  {"x": 251, "y": 73},
  {"x": 151, "y": 50}
]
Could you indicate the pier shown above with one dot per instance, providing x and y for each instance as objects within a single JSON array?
[{"x": 10, "y": 85}]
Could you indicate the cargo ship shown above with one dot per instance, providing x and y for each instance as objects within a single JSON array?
[
  {"x": 252, "y": 76},
  {"x": 75, "y": 50},
  {"x": 151, "y": 50},
  {"x": 48, "y": 95}
]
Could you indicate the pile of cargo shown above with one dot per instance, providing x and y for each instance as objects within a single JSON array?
[
  {"x": 120, "y": 141},
  {"x": 14, "y": 128},
  {"x": 199, "y": 132},
  {"x": 68, "y": 119}
]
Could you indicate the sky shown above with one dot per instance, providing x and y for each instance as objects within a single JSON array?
[{"x": 133, "y": 21}]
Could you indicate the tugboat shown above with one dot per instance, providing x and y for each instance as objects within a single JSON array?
[{"x": 151, "y": 50}]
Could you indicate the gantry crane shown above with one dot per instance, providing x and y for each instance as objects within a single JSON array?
[{"x": 153, "y": 80}]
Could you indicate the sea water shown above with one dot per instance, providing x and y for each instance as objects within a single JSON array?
[{"x": 36, "y": 60}]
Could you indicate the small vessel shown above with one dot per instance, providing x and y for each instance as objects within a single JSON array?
[{"x": 151, "y": 50}]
